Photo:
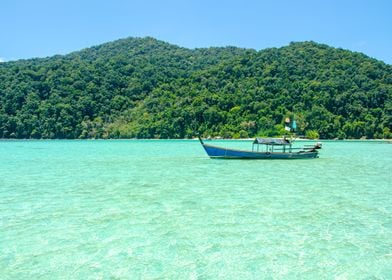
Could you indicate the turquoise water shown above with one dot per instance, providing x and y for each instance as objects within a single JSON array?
[{"x": 163, "y": 210}]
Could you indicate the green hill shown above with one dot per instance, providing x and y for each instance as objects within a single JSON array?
[{"x": 145, "y": 88}]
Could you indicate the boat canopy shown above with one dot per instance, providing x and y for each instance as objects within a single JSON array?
[{"x": 271, "y": 141}]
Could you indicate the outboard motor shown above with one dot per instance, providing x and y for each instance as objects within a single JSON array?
[{"x": 318, "y": 145}]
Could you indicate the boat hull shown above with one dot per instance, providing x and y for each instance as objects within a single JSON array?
[{"x": 225, "y": 153}]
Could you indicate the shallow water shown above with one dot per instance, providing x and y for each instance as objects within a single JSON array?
[{"x": 162, "y": 209}]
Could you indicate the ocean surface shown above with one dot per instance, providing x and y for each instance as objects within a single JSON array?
[{"x": 145, "y": 209}]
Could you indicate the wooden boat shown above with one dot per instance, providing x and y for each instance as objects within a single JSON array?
[{"x": 264, "y": 148}]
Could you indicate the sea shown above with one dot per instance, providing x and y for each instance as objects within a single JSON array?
[{"x": 161, "y": 209}]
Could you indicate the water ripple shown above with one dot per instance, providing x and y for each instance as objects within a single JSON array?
[{"x": 163, "y": 210}]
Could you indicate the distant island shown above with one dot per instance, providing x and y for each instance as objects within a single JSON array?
[{"x": 145, "y": 88}]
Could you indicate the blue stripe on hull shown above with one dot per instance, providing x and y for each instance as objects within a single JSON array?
[{"x": 217, "y": 152}]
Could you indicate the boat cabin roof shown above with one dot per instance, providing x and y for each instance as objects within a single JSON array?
[{"x": 271, "y": 141}]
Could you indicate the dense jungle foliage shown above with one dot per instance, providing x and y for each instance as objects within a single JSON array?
[{"x": 145, "y": 88}]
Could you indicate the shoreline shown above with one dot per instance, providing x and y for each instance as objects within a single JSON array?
[{"x": 193, "y": 139}]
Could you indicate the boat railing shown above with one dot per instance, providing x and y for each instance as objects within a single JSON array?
[
  {"x": 288, "y": 149},
  {"x": 272, "y": 148}
]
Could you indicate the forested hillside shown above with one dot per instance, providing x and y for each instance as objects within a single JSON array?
[{"x": 145, "y": 88}]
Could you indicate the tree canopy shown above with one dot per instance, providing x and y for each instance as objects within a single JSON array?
[{"x": 145, "y": 88}]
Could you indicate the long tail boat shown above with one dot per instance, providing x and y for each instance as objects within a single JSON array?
[{"x": 264, "y": 148}]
